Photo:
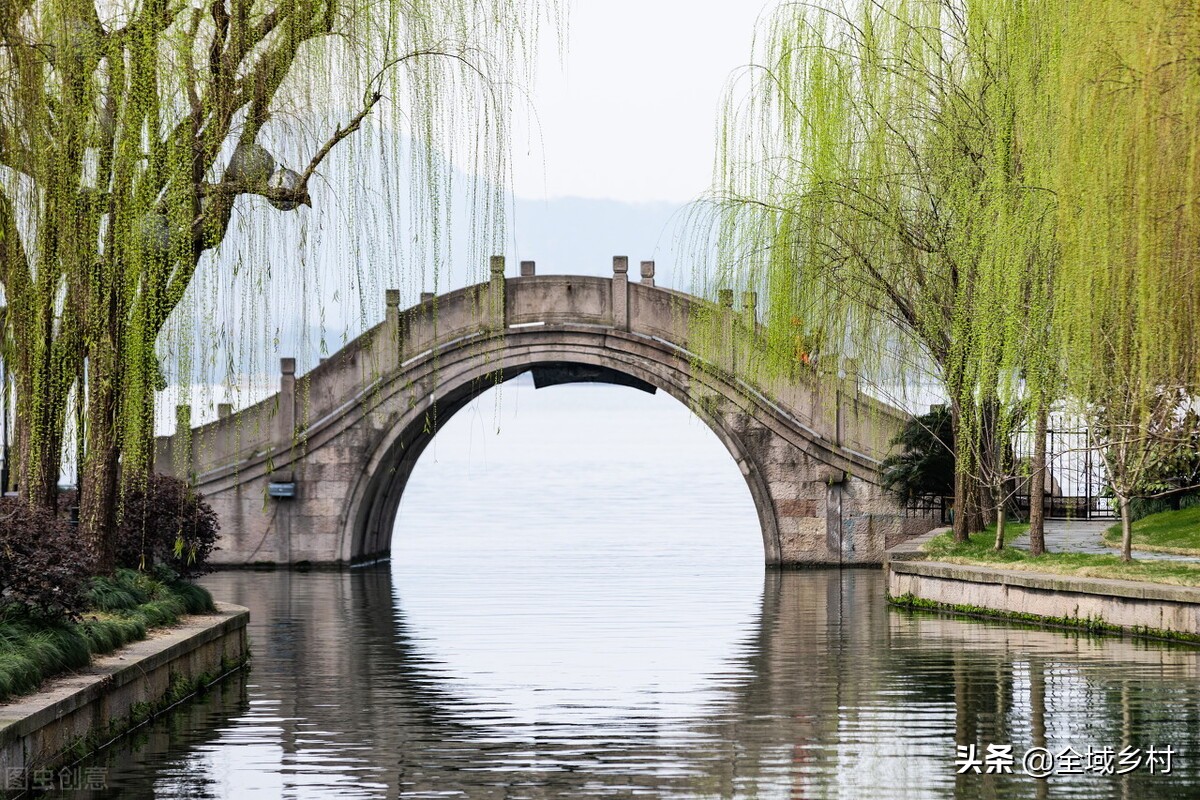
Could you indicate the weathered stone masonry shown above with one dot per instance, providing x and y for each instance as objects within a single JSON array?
[{"x": 343, "y": 438}]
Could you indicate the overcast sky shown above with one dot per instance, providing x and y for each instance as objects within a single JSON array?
[{"x": 632, "y": 113}]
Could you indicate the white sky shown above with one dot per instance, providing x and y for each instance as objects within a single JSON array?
[{"x": 632, "y": 114}]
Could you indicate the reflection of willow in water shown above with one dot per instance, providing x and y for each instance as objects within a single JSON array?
[
  {"x": 165, "y": 749},
  {"x": 833, "y": 693},
  {"x": 1036, "y": 687}
]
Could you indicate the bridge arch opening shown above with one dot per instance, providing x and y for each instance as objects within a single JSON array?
[
  {"x": 314, "y": 473},
  {"x": 544, "y": 526},
  {"x": 533, "y": 486},
  {"x": 374, "y": 531}
]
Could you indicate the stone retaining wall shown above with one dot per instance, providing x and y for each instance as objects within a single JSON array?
[
  {"x": 1153, "y": 609},
  {"x": 74, "y": 715}
]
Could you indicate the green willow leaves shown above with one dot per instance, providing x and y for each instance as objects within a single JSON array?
[
  {"x": 1002, "y": 194},
  {"x": 131, "y": 129}
]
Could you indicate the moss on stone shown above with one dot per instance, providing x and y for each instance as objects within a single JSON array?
[{"x": 1091, "y": 625}]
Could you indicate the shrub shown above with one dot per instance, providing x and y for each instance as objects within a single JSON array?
[
  {"x": 43, "y": 565},
  {"x": 1141, "y": 507},
  {"x": 126, "y": 604},
  {"x": 163, "y": 521},
  {"x": 924, "y": 465}
]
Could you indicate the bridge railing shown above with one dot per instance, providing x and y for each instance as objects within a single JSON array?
[
  {"x": 231, "y": 439},
  {"x": 537, "y": 299},
  {"x": 732, "y": 338}
]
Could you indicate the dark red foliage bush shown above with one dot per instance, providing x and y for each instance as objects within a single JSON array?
[
  {"x": 163, "y": 521},
  {"x": 43, "y": 564}
]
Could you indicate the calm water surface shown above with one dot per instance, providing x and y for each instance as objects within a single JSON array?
[{"x": 577, "y": 607}]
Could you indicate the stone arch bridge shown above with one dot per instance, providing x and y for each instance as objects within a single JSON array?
[{"x": 314, "y": 474}]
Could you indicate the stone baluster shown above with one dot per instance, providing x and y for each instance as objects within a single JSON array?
[
  {"x": 494, "y": 319},
  {"x": 647, "y": 273},
  {"x": 852, "y": 374},
  {"x": 285, "y": 419},
  {"x": 620, "y": 293},
  {"x": 182, "y": 450},
  {"x": 847, "y": 394},
  {"x": 750, "y": 310},
  {"x": 726, "y": 356},
  {"x": 746, "y": 347},
  {"x": 389, "y": 353}
]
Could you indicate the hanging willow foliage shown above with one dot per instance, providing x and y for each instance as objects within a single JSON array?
[
  {"x": 1128, "y": 303},
  {"x": 130, "y": 131},
  {"x": 884, "y": 184}
]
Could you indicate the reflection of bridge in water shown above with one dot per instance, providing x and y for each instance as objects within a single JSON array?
[
  {"x": 831, "y": 693},
  {"x": 341, "y": 441}
]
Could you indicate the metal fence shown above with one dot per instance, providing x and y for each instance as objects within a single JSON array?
[
  {"x": 938, "y": 508},
  {"x": 1075, "y": 477}
]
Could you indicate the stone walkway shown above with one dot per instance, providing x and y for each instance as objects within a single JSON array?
[{"x": 1078, "y": 536}]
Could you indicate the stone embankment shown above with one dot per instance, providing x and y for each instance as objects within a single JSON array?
[
  {"x": 1095, "y": 604},
  {"x": 74, "y": 715}
]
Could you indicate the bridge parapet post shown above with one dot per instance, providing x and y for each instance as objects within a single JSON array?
[
  {"x": 620, "y": 293},
  {"x": 847, "y": 393},
  {"x": 747, "y": 347},
  {"x": 224, "y": 410},
  {"x": 852, "y": 373},
  {"x": 494, "y": 318},
  {"x": 182, "y": 449},
  {"x": 528, "y": 269},
  {"x": 647, "y": 273},
  {"x": 388, "y": 350},
  {"x": 284, "y": 432},
  {"x": 726, "y": 356},
  {"x": 750, "y": 309}
]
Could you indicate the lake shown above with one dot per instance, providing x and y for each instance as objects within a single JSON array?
[{"x": 577, "y": 606}]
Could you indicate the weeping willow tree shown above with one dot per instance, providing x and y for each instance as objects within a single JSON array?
[
  {"x": 129, "y": 129},
  {"x": 1129, "y": 296},
  {"x": 884, "y": 183}
]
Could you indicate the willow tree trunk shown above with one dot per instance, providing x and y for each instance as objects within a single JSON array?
[
  {"x": 961, "y": 478},
  {"x": 1126, "y": 531},
  {"x": 40, "y": 415},
  {"x": 1037, "y": 485},
  {"x": 98, "y": 490},
  {"x": 974, "y": 501},
  {"x": 968, "y": 489},
  {"x": 987, "y": 466},
  {"x": 961, "y": 531}
]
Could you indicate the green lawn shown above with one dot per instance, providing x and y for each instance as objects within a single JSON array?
[
  {"x": 978, "y": 551},
  {"x": 1165, "y": 532}
]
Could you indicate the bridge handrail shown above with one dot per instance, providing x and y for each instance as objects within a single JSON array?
[{"x": 436, "y": 324}]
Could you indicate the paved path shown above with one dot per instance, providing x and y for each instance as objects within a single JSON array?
[{"x": 1078, "y": 536}]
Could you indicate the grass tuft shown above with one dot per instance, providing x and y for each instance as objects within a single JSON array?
[
  {"x": 1165, "y": 532},
  {"x": 124, "y": 606},
  {"x": 977, "y": 550}
]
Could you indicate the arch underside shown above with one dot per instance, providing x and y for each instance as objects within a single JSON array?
[{"x": 374, "y": 502}]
